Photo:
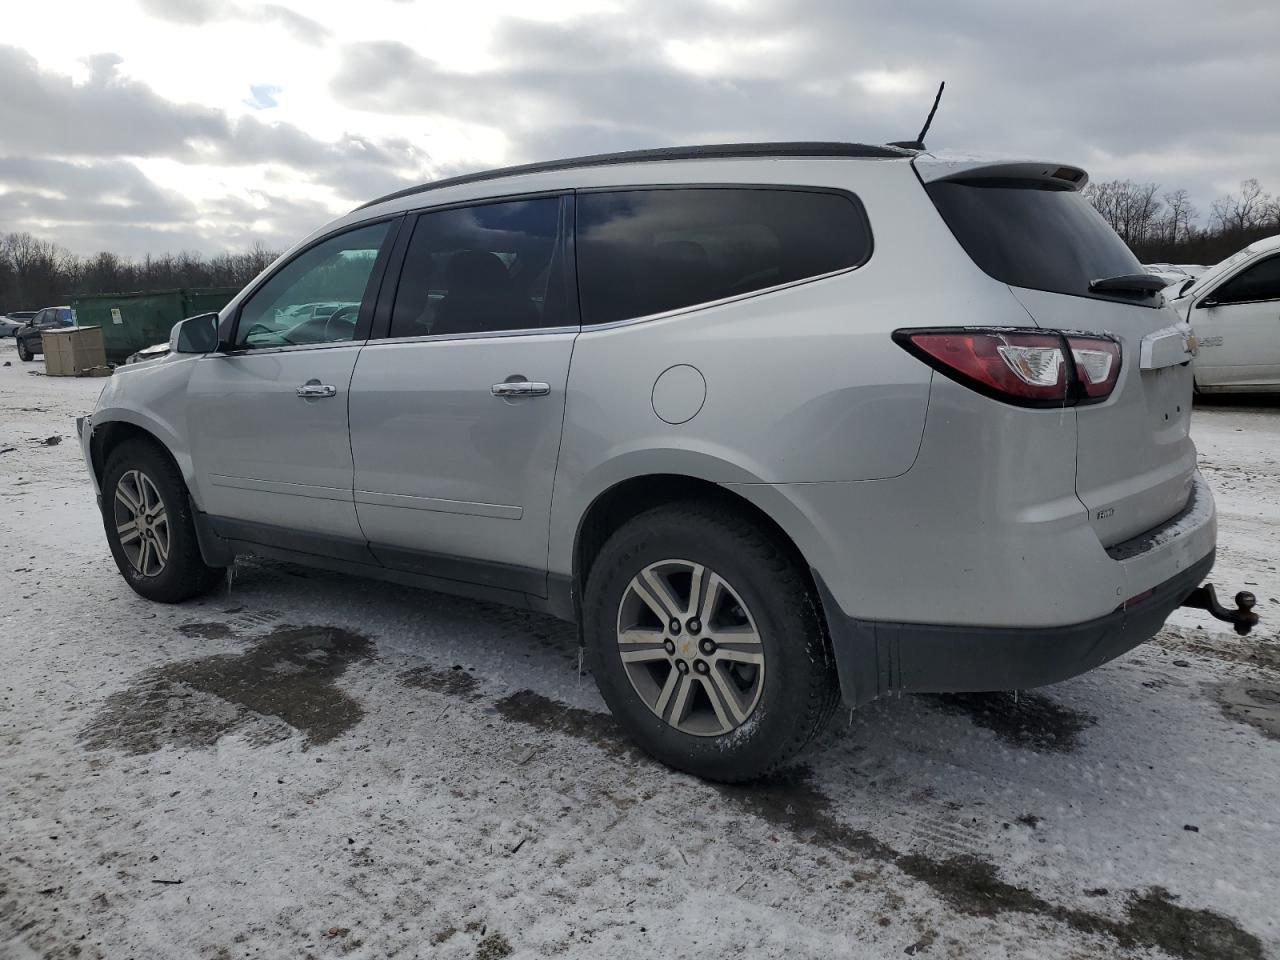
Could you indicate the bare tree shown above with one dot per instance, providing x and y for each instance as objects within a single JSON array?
[
  {"x": 1131, "y": 208},
  {"x": 1180, "y": 214},
  {"x": 1244, "y": 210}
]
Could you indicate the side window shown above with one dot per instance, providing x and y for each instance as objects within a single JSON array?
[
  {"x": 642, "y": 252},
  {"x": 315, "y": 297},
  {"x": 1259, "y": 282},
  {"x": 485, "y": 269}
]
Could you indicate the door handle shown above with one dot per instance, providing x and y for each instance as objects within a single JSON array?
[
  {"x": 314, "y": 390},
  {"x": 520, "y": 388}
]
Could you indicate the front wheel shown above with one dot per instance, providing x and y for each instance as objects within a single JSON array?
[
  {"x": 24, "y": 353},
  {"x": 706, "y": 643},
  {"x": 147, "y": 517}
]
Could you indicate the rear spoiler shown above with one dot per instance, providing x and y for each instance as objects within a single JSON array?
[{"x": 932, "y": 168}]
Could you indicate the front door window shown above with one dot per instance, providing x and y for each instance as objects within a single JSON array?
[{"x": 316, "y": 297}]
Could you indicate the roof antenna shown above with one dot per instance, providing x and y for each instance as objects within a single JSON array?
[{"x": 918, "y": 142}]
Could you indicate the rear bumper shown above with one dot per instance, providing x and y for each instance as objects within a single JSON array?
[{"x": 878, "y": 657}]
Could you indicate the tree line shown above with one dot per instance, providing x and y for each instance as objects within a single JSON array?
[
  {"x": 36, "y": 273},
  {"x": 1166, "y": 227}
]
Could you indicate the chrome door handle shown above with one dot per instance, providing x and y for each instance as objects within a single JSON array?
[
  {"x": 314, "y": 389},
  {"x": 520, "y": 388}
]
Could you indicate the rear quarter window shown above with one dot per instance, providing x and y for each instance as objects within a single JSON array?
[
  {"x": 648, "y": 251},
  {"x": 1030, "y": 233}
]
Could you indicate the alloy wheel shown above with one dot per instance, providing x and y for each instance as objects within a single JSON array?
[
  {"x": 142, "y": 524},
  {"x": 690, "y": 647}
]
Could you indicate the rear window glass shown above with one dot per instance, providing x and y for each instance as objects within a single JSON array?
[
  {"x": 642, "y": 252},
  {"x": 1036, "y": 235}
]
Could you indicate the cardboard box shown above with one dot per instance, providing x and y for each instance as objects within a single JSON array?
[{"x": 73, "y": 352}]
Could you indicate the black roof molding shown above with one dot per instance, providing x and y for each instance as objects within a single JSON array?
[{"x": 715, "y": 151}]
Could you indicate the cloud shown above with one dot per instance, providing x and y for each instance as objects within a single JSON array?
[
  {"x": 1106, "y": 85},
  {"x": 70, "y": 155},
  {"x": 113, "y": 205},
  {"x": 304, "y": 28},
  {"x": 195, "y": 13},
  {"x": 105, "y": 192},
  {"x": 110, "y": 115}
]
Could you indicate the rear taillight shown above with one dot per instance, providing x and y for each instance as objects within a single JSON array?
[
  {"x": 1025, "y": 367},
  {"x": 1097, "y": 361}
]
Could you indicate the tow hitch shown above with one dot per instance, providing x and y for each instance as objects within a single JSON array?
[{"x": 1242, "y": 618}]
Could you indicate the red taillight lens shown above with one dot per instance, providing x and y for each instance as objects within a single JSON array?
[
  {"x": 1025, "y": 367},
  {"x": 1097, "y": 361},
  {"x": 1011, "y": 365}
]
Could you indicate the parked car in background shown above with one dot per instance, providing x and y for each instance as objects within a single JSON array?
[
  {"x": 152, "y": 352},
  {"x": 15, "y": 320},
  {"x": 50, "y": 318},
  {"x": 1234, "y": 310},
  {"x": 776, "y": 423},
  {"x": 1168, "y": 272}
]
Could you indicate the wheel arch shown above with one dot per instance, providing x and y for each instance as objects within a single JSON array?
[
  {"x": 110, "y": 434},
  {"x": 628, "y": 498}
]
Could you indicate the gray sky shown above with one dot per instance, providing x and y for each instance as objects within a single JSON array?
[{"x": 159, "y": 125}]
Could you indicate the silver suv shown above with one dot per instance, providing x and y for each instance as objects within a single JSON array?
[{"x": 776, "y": 424}]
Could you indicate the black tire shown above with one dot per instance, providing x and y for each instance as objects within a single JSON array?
[
  {"x": 184, "y": 574},
  {"x": 799, "y": 689},
  {"x": 24, "y": 353}
]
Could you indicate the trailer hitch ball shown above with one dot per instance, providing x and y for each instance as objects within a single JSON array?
[{"x": 1242, "y": 617}]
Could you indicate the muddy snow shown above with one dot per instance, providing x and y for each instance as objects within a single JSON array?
[{"x": 312, "y": 766}]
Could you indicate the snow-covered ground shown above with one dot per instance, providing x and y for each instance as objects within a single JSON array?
[{"x": 311, "y": 766}]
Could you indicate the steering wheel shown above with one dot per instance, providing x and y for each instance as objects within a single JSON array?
[{"x": 344, "y": 315}]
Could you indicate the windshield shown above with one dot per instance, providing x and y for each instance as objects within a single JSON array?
[{"x": 1032, "y": 233}]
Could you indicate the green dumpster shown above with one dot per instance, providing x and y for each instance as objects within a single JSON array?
[{"x": 131, "y": 321}]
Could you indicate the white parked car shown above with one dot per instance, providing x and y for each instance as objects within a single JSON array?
[
  {"x": 1168, "y": 272},
  {"x": 1235, "y": 311}
]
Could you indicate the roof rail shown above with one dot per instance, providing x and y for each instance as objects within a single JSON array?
[{"x": 721, "y": 151}]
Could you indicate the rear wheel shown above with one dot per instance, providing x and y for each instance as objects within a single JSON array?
[
  {"x": 147, "y": 517},
  {"x": 23, "y": 352},
  {"x": 706, "y": 643}
]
